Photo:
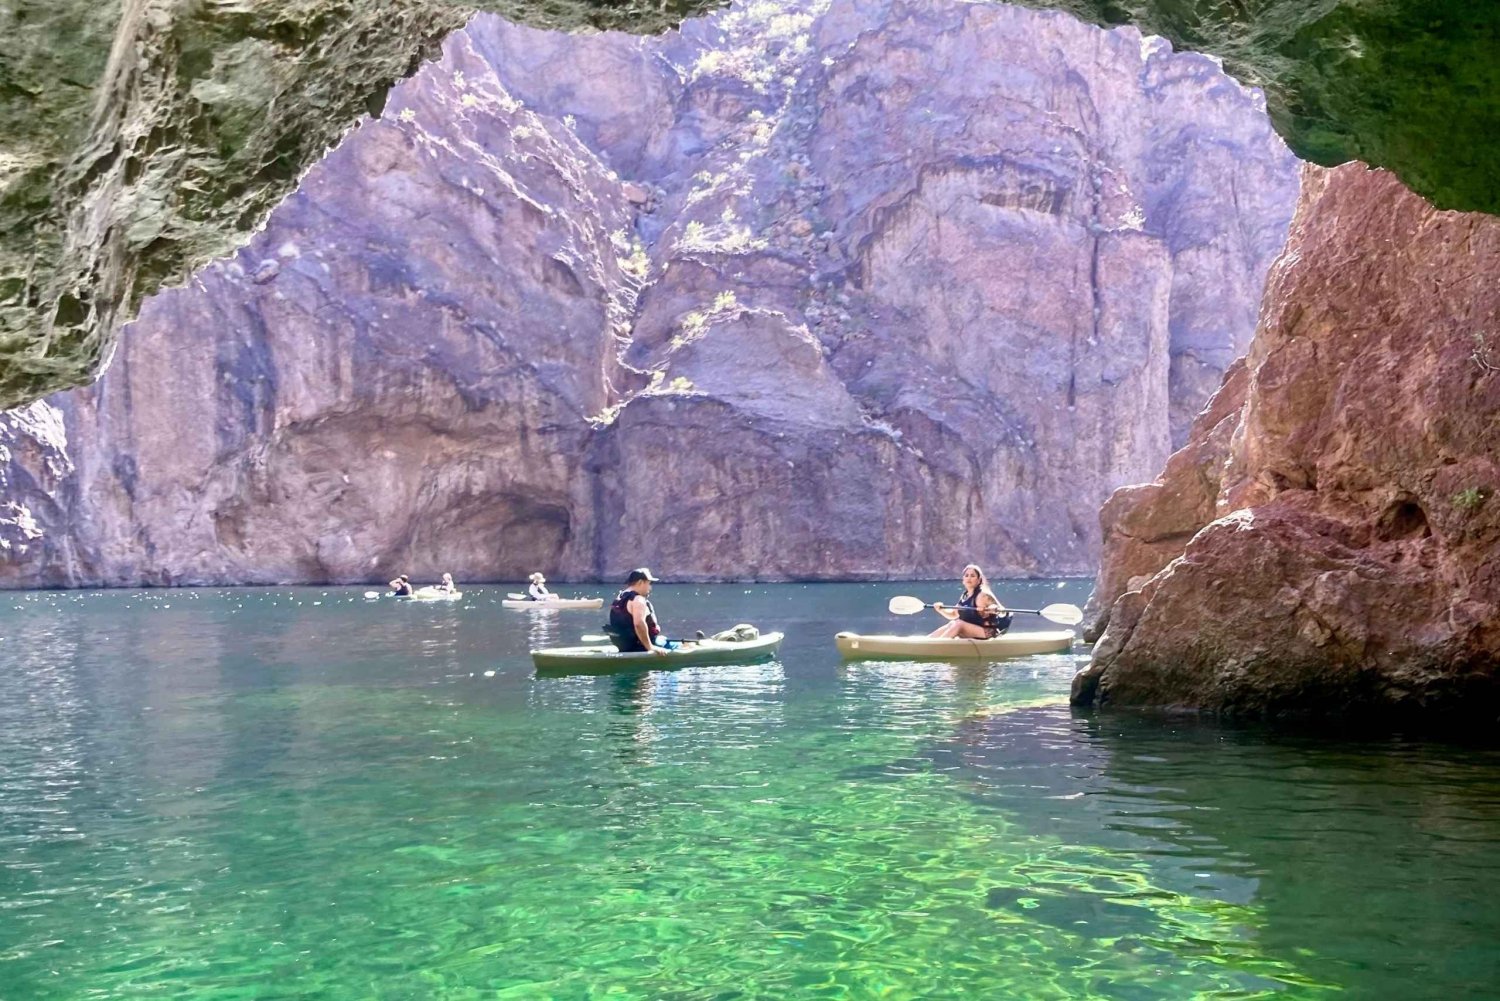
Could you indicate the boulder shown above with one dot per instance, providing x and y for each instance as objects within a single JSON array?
[{"x": 1326, "y": 543}]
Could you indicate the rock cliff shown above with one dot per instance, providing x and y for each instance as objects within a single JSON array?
[
  {"x": 143, "y": 138},
  {"x": 798, "y": 291},
  {"x": 1326, "y": 543}
]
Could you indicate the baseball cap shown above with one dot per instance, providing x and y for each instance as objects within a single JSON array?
[{"x": 640, "y": 573}]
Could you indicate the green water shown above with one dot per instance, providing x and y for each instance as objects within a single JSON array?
[{"x": 298, "y": 794}]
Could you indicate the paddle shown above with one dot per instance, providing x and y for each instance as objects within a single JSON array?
[
  {"x": 601, "y": 638},
  {"x": 1068, "y": 615}
]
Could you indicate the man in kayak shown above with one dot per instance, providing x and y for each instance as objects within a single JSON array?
[
  {"x": 978, "y": 614},
  {"x": 401, "y": 586},
  {"x": 632, "y": 626},
  {"x": 538, "y": 589}
]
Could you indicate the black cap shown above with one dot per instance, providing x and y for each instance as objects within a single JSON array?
[{"x": 640, "y": 573}]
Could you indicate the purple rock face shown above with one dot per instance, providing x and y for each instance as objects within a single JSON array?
[{"x": 803, "y": 290}]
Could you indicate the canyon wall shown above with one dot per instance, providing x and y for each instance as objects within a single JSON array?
[
  {"x": 798, "y": 291},
  {"x": 141, "y": 139},
  {"x": 1326, "y": 542}
]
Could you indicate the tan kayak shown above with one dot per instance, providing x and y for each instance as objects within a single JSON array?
[
  {"x": 854, "y": 646},
  {"x": 553, "y": 604}
]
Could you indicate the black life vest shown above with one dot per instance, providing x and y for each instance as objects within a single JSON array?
[
  {"x": 621, "y": 627},
  {"x": 968, "y": 611},
  {"x": 403, "y": 590}
]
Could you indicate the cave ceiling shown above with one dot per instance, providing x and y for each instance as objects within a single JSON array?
[{"x": 144, "y": 138}]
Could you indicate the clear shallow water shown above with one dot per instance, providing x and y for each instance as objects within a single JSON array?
[{"x": 292, "y": 793}]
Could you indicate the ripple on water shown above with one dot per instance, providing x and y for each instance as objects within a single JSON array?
[{"x": 249, "y": 794}]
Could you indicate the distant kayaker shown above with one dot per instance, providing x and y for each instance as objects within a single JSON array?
[
  {"x": 538, "y": 589},
  {"x": 446, "y": 585},
  {"x": 632, "y": 625},
  {"x": 978, "y": 614},
  {"x": 401, "y": 586}
]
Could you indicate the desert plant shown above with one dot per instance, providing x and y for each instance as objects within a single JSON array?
[{"x": 1471, "y": 499}]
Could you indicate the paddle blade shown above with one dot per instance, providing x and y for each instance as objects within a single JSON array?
[
  {"x": 371, "y": 595},
  {"x": 593, "y": 638},
  {"x": 905, "y": 604},
  {"x": 1068, "y": 615},
  {"x": 513, "y": 596}
]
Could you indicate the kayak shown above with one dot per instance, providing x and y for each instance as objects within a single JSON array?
[
  {"x": 431, "y": 594},
  {"x": 603, "y": 659},
  {"x": 553, "y": 604},
  {"x": 854, "y": 646}
]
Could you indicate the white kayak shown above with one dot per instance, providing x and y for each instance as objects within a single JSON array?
[
  {"x": 854, "y": 646},
  {"x": 604, "y": 659},
  {"x": 552, "y": 604},
  {"x": 431, "y": 594}
]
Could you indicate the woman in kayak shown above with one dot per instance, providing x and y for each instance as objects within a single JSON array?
[
  {"x": 978, "y": 614},
  {"x": 401, "y": 586},
  {"x": 538, "y": 589},
  {"x": 446, "y": 585}
]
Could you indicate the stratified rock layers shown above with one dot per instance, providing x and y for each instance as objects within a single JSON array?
[
  {"x": 1327, "y": 542},
  {"x": 797, "y": 292}
]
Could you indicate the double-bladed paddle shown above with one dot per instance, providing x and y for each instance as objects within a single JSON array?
[{"x": 1067, "y": 615}]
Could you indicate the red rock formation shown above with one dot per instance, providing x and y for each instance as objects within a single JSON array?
[{"x": 1333, "y": 527}]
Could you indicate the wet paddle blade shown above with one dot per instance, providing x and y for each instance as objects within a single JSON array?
[
  {"x": 905, "y": 604},
  {"x": 593, "y": 638},
  {"x": 371, "y": 595},
  {"x": 513, "y": 596},
  {"x": 1068, "y": 615}
]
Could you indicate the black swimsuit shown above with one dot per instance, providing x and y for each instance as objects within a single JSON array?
[{"x": 968, "y": 611}]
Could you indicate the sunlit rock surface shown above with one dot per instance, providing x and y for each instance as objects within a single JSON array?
[
  {"x": 142, "y": 139},
  {"x": 1410, "y": 85},
  {"x": 1327, "y": 542},
  {"x": 792, "y": 293}
]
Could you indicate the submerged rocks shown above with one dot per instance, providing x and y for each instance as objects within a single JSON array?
[
  {"x": 838, "y": 304},
  {"x": 1327, "y": 542}
]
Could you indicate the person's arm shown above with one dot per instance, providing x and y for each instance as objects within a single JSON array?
[
  {"x": 990, "y": 605},
  {"x": 947, "y": 613},
  {"x": 638, "y": 617}
]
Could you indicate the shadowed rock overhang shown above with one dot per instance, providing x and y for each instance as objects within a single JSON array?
[{"x": 147, "y": 137}]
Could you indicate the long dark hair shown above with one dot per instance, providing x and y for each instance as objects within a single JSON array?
[{"x": 984, "y": 584}]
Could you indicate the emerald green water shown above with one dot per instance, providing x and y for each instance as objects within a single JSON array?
[{"x": 293, "y": 793}]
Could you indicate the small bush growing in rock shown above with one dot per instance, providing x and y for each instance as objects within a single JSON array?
[{"x": 1471, "y": 499}]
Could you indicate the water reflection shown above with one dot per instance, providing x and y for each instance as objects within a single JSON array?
[
  {"x": 1366, "y": 864},
  {"x": 350, "y": 791}
]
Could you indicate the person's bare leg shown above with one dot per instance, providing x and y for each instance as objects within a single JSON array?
[{"x": 970, "y": 631}]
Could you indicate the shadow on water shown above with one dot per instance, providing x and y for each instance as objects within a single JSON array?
[{"x": 1366, "y": 863}]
